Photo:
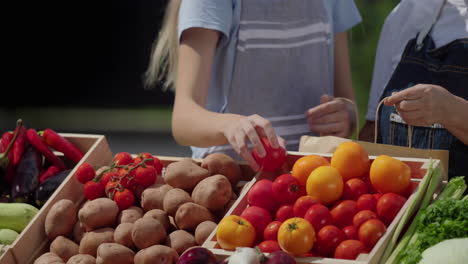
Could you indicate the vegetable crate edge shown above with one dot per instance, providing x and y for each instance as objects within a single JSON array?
[
  {"x": 33, "y": 239},
  {"x": 419, "y": 170}
]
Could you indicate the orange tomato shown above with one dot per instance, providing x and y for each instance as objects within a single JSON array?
[
  {"x": 325, "y": 184},
  {"x": 296, "y": 236},
  {"x": 305, "y": 165},
  {"x": 388, "y": 174},
  {"x": 234, "y": 231},
  {"x": 351, "y": 160}
]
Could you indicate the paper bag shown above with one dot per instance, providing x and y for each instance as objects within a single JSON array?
[{"x": 328, "y": 144}]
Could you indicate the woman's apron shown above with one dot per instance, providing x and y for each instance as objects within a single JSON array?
[
  {"x": 282, "y": 65},
  {"x": 422, "y": 63}
]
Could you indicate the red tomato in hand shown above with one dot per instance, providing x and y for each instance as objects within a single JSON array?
[
  {"x": 271, "y": 231},
  {"x": 328, "y": 239},
  {"x": 261, "y": 195},
  {"x": 287, "y": 189},
  {"x": 353, "y": 189},
  {"x": 274, "y": 158},
  {"x": 269, "y": 246},
  {"x": 303, "y": 204},
  {"x": 124, "y": 199},
  {"x": 363, "y": 216},
  {"x": 318, "y": 216},
  {"x": 388, "y": 206},
  {"x": 350, "y": 249},
  {"x": 123, "y": 158},
  {"x": 258, "y": 217},
  {"x": 371, "y": 231},
  {"x": 351, "y": 232},
  {"x": 85, "y": 173},
  {"x": 367, "y": 202},
  {"x": 285, "y": 212},
  {"x": 343, "y": 213}
]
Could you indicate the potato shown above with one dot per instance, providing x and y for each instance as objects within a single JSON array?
[
  {"x": 78, "y": 232},
  {"x": 152, "y": 198},
  {"x": 123, "y": 235},
  {"x": 82, "y": 259},
  {"x": 113, "y": 253},
  {"x": 180, "y": 240},
  {"x": 101, "y": 212},
  {"x": 130, "y": 215},
  {"x": 220, "y": 163},
  {"x": 147, "y": 232},
  {"x": 159, "y": 215},
  {"x": 92, "y": 240},
  {"x": 204, "y": 230},
  {"x": 213, "y": 192},
  {"x": 157, "y": 254},
  {"x": 184, "y": 174},
  {"x": 190, "y": 215},
  {"x": 175, "y": 198},
  {"x": 49, "y": 258},
  {"x": 61, "y": 219},
  {"x": 64, "y": 248}
]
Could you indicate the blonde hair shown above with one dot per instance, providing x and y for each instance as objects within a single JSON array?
[{"x": 164, "y": 54}]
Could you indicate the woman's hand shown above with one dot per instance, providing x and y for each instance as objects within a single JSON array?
[
  {"x": 422, "y": 104},
  {"x": 251, "y": 128},
  {"x": 333, "y": 117}
]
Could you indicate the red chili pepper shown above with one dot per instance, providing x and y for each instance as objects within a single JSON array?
[
  {"x": 37, "y": 142},
  {"x": 61, "y": 144},
  {"x": 6, "y": 139},
  {"x": 51, "y": 171},
  {"x": 10, "y": 169},
  {"x": 18, "y": 146}
]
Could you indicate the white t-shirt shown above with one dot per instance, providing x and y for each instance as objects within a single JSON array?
[{"x": 403, "y": 24}]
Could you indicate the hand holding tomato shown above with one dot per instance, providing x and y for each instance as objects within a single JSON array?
[{"x": 274, "y": 158}]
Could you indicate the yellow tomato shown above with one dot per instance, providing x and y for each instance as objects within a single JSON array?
[
  {"x": 234, "y": 231},
  {"x": 388, "y": 174},
  {"x": 305, "y": 165},
  {"x": 325, "y": 184},
  {"x": 296, "y": 236}
]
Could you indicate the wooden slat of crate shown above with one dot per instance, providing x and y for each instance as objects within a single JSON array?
[
  {"x": 419, "y": 169},
  {"x": 32, "y": 241},
  {"x": 6, "y": 255}
]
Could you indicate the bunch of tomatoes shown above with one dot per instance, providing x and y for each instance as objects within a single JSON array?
[
  {"x": 329, "y": 208},
  {"x": 122, "y": 179}
]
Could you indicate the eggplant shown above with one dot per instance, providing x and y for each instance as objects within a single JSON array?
[
  {"x": 48, "y": 187},
  {"x": 26, "y": 177}
]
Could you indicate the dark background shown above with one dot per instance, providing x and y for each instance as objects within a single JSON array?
[{"x": 82, "y": 53}]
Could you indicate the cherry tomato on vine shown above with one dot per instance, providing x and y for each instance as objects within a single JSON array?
[
  {"x": 124, "y": 198},
  {"x": 145, "y": 176},
  {"x": 123, "y": 158},
  {"x": 85, "y": 173},
  {"x": 109, "y": 176},
  {"x": 93, "y": 190}
]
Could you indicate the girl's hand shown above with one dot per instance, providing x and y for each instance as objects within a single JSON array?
[
  {"x": 422, "y": 104},
  {"x": 251, "y": 128},
  {"x": 331, "y": 118}
]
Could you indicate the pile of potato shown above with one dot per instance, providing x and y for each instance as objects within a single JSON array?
[{"x": 176, "y": 213}]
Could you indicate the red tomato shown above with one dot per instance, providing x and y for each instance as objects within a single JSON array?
[
  {"x": 93, "y": 190},
  {"x": 155, "y": 162},
  {"x": 274, "y": 158},
  {"x": 287, "y": 189},
  {"x": 261, "y": 195},
  {"x": 285, "y": 212},
  {"x": 367, "y": 202},
  {"x": 128, "y": 174},
  {"x": 271, "y": 231},
  {"x": 269, "y": 246},
  {"x": 124, "y": 199},
  {"x": 110, "y": 188},
  {"x": 145, "y": 176},
  {"x": 377, "y": 196},
  {"x": 370, "y": 187},
  {"x": 353, "y": 188},
  {"x": 388, "y": 206},
  {"x": 363, "y": 216},
  {"x": 318, "y": 216},
  {"x": 350, "y": 232},
  {"x": 85, "y": 173},
  {"x": 109, "y": 176},
  {"x": 371, "y": 231},
  {"x": 350, "y": 249},
  {"x": 328, "y": 239},
  {"x": 123, "y": 158},
  {"x": 258, "y": 217},
  {"x": 303, "y": 204},
  {"x": 343, "y": 213}
]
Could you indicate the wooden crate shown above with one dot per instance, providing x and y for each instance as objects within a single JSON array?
[
  {"x": 6, "y": 255},
  {"x": 418, "y": 171},
  {"x": 32, "y": 241}
]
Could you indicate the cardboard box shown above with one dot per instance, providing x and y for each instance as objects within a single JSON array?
[{"x": 418, "y": 171}]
